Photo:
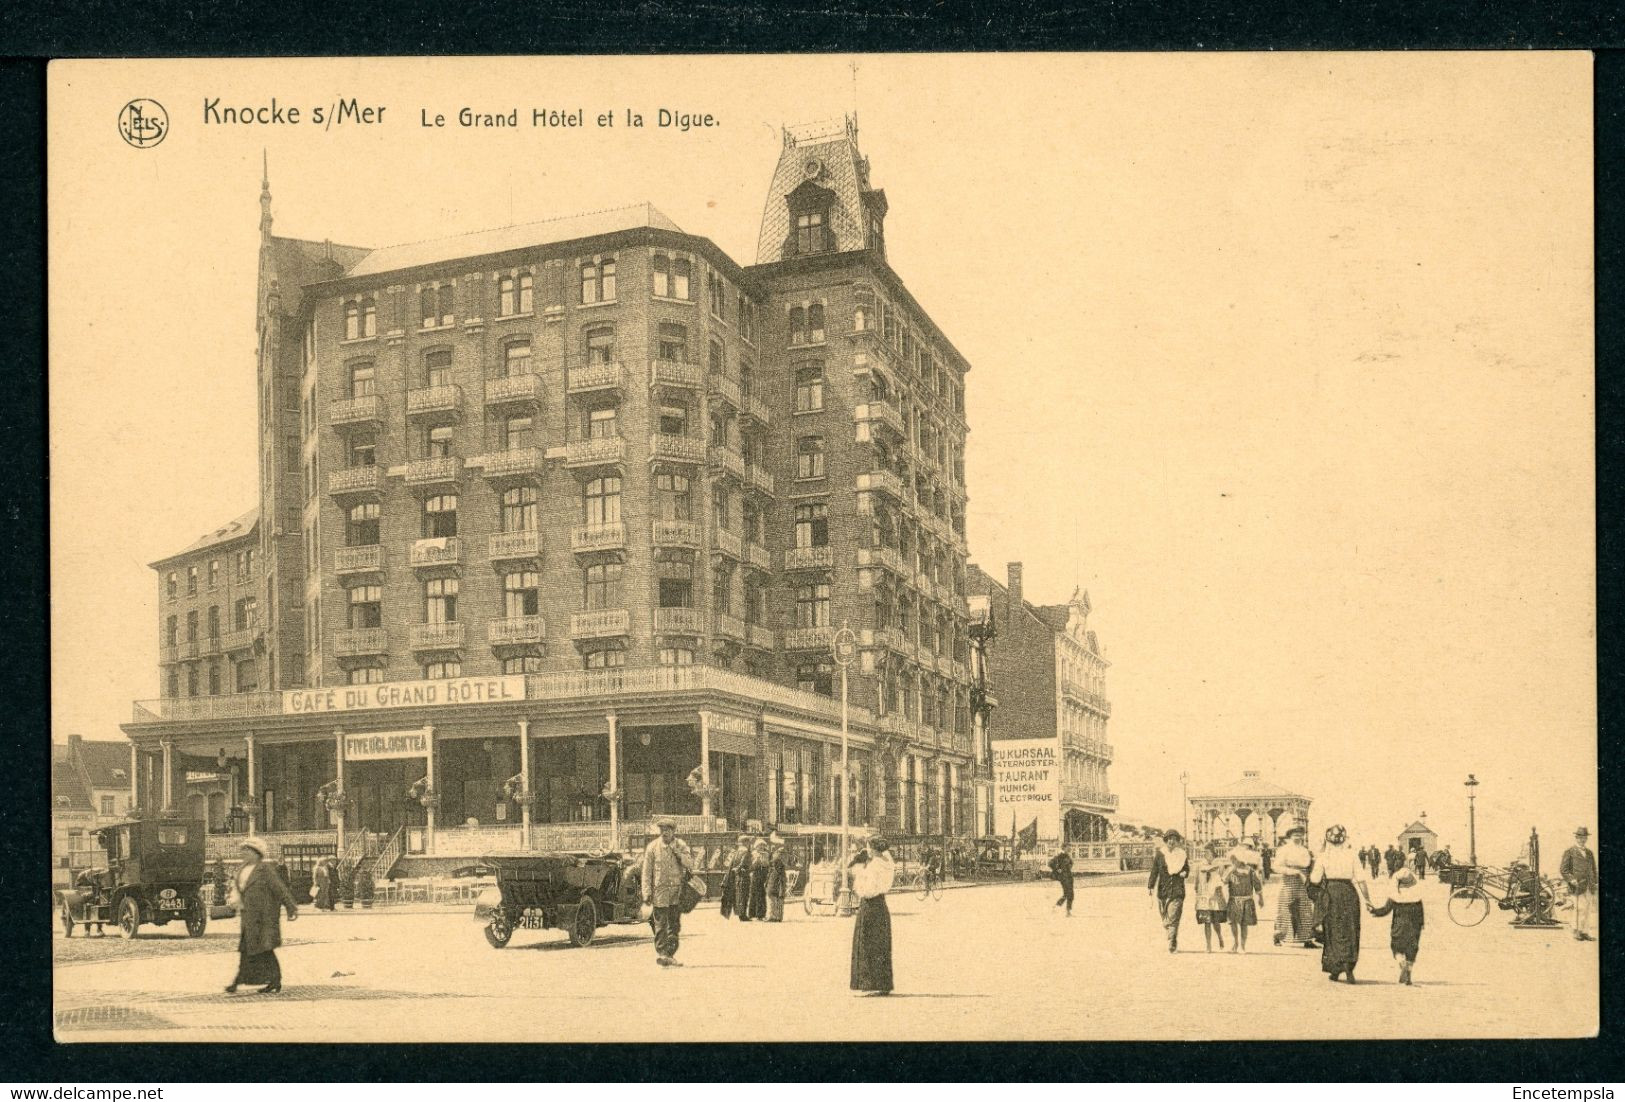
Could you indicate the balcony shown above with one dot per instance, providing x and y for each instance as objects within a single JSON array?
[
  {"x": 756, "y": 410},
  {"x": 595, "y": 452},
  {"x": 515, "y": 631},
  {"x": 1092, "y": 700},
  {"x": 587, "y": 378},
  {"x": 435, "y": 470},
  {"x": 809, "y": 558},
  {"x": 676, "y": 449},
  {"x": 819, "y": 638},
  {"x": 884, "y": 557},
  {"x": 240, "y": 640},
  {"x": 882, "y": 413},
  {"x": 359, "y": 560},
  {"x": 436, "y": 551},
  {"x": 728, "y": 543},
  {"x": 675, "y": 533},
  {"x": 729, "y": 462},
  {"x": 728, "y": 626},
  {"x": 514, "y": 463},
  {"x": 1084, "y": 794},
  {"x": 679, "y": 621},
  {"x": 882, "y": 482},
  {"x": 437, "y": 636},
  {"x": 514, "y": 390},
  {"x": 602, "y": 623},
  {"x": 761, "y": 479},
  {"x": 366, "y": 409},
  {"x": 360, "y": 642},
  {"x": 760, "y": 557},
  {"x": 587, "y": 538},
  {"x": 725, "y": 388},
  {"x": 425, "y": 400},
  {"x": 515, "y": 545},
  {"x": 209, "y": 644},
  {"x": 672, "y": 373},
  {"x": 761, "y": 638},
  {"x": 356, "y": 481}
]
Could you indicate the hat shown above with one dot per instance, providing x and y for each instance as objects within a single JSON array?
[
  {"x": 1299, "y": 829},
  {"x": 1172, "y": 836},
  {"x": 654, "y": 830},
  {"x": 258, "y": 845},
  {"x": 760, "y": 843},
  {"x": 744, "y": 839},
  {"x": 879, "y": 844},
  {"x": 1582, "y": 832},
  {"x": 666, "y": 821},
  {"x": 1336, "y": 835}
]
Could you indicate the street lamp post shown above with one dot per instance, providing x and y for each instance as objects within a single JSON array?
[
  {"x": 1472, "y": 825},
  {"x": 1185, "y": 804},
  {"x": 846, "y": 648}
]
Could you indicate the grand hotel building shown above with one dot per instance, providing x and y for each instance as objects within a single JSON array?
[{"x": 556, "y": 523}]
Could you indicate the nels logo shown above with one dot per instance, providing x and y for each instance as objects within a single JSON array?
[{"x": 143, "y": 123}]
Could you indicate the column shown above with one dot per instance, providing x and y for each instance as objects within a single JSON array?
[
  {"x": 614, "y": 780},
  {"x": 253, "y": 789},
  {"x": 169, "y": 773},
  {"x": 705, "y": 767},
  {"x": 429, "y": 812},
  {"x": 338, "y": 776},
  {"x": 135, "y": 775},
  {"x": 524, "y": 788}
]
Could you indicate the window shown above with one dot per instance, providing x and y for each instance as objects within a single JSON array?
[
  {"x": 362, "y": 450},
  {"x": 714, "y": 358},
  {"x": 174, "y": 683},
  {"x": 524, "y": 663},
  {"x": 747, "y": 318},
  {"x": 602, "y": 501},
  {"x": 681, "y": 270},
  {"x": 518, "y": 432},
  {"x": 515, "y": 295},
  {"x": 352, "y": 320},
  {"x": 816, "y": 678},
  {"x": 812, "y": 605},
  {"x": 519, "y": 509},
  {"x": 600, "y": 345},
  {"x": 662, "y": 275},
  {"x": 815, "y": 324},
  {"x": 673, "y": 342},
  {"x": 612, "y": 658},
  {"x": 214, "y": 573},
  {"x": 598, "y": 281},
  {"x": 290, "y": 451},
  {"x": 755, "y": 602},
  {"x": 673, "y": 496},
  {"x": 810, "y": 232},
  {"x": 171, "y": 631},
  {"x": 214, "y": 621},
  {"x": 603, "y": 423},
  {"x": 673, "y": 419},
  {"x": 366, "y": 606},
  {"x": 750, "y": 516},
  {"x": 191, "y": 626},
  {"x": 171, "y": 585},
  {"x": 437, "y": 442},
  {"x": 245, "y": 614},
  {"x": 366, "y": 675},
  {"x": 521, "y": 594},
  {"x": 602, "y": 585},
  {"x": 718, "y": 293},
  {"x": 810, "y": 457},
  {"x": 440, "y": 600},
  {"x": 722, "y": 589},
  {"x": 247, "y": 676},
  {"x": 798, "y": 325},
  {"x": 812, "y": 525},
  {"x": 191, "y": 680},
  {"x": 361, "y": 525},
  {"x": 810, "y": 388},
  {"x": 437, "y": 368},
  {"x": 440, "y": 671},
  {"x": 676, "y": 580},
  {"x": 676, "y": 656},
  {"x": 516, "y": 359},
  {"x": 720, "y": 514},
  {"x": 440, "y": 516},
  {"x": 214, "y": 679},
  {"x": 435, "y": 305}
]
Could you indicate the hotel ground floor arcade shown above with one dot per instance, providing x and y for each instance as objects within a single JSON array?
[{"x": 539, "y": 768}]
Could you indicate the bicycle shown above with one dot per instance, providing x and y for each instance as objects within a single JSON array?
[
  {"x": 1473, "y": 888},
  {"x": 930, "y": 885}
]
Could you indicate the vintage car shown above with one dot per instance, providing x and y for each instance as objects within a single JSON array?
[
  {"x": 154, "y": 874},
  {"x": 573, "y": 892}
]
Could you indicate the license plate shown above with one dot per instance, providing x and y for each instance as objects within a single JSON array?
[
  {"x": 172, "y": 904},
  {"x": 532, "y": 922}
]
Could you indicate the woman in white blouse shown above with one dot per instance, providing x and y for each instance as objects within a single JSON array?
[
  {"x": 1342, "y": 877},
  {"x": 871, "y": 932}
]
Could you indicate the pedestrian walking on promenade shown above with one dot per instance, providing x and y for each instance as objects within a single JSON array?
[
  {"x": 1373, "y": 861},
  {"x": 1579, "y": 871},
  {"x": 1211, "y": 904},
  {"x": 871, "y": 932},
  {"x": 1419, "y": 862},
  {"x": 736, "y": 882},
  {"x": 1404, "y": 903},
  {"x": 262, "y": 895},
  {"x": 778, "y": 882},
  {"x": 666, "y": 865},
  {"x": 759, "y": 872},
  {"x": 1169, "y": 870},
  {"x": 1267, "y": 855},
  {"x": 1060, "y": 867},
  {"x": 1294, "y": 914},
  {"x": 1244, "y": 894},
  {"x": 322, "y": 880},
  {"x": 1340, "y": 877}
]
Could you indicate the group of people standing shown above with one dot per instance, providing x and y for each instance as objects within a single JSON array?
[
  {"x": 1378, "y": 859},
  {"x": 756, "y": 881}
]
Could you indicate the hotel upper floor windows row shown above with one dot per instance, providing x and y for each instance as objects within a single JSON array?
[
  {"x": 245, "y": 679},
  {"x": 245, "y": 561}
]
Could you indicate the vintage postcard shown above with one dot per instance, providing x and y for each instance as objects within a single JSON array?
[{"x": 931, "y": 547}]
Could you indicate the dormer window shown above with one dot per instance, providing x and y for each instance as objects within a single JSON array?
[
  {"x": 810, "y": 236},
  {"x": 809, "y": 207}
]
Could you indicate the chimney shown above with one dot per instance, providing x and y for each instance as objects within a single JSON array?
[
  {"x": 1014, "y": 574},
  {"x": 74, "y": 742}
]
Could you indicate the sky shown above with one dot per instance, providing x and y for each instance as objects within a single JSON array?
[{"x": 1286, "y": 359}]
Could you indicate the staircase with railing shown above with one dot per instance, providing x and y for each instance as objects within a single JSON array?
[{"x": 389, "y": 855}]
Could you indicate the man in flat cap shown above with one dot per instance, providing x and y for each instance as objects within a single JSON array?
[
  {"x": 1579, "y": 870},
  {"x": 666, "y": 865}
]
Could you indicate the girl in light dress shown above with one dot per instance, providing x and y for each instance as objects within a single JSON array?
[
  {"x": 1245, "y": 893},
  {"x": 1211, "y": 906}
]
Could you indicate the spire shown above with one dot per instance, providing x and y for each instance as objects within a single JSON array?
[{"x": 265, "y": 194}]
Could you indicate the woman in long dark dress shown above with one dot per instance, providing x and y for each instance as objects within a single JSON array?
[
  {"x": 871, "y": 932},
  {"x": 1340, "y": 875},
  {"x": 759, "y": 869},
  {"x": 262, "y": 894}
]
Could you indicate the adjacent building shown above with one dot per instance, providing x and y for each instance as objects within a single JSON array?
[
  {"x": 90, "y": 788},
  {"x": 556, "y": 525},
  {"x": 1049, "y": 674}
]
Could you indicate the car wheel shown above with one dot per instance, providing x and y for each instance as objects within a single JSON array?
[
  {"x": 129, "y": 917},
  {"x": 197, "y": 918},
  {"x": 67, "y": 922},
  {"x": 498, "y": 933},
  {"x": 584, "y": 927}
]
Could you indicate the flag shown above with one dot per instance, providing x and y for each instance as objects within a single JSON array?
[{"x": 1028, "y": 839}]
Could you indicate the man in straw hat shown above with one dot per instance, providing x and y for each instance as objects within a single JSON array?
[
  {"x": 1579, "y": 870},
  {"x": 1169, "y": 869},
  {"x": 666, "y": 865},
  {"x": 262, "y": 894}
]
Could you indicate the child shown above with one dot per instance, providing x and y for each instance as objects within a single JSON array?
[
  {"x": 1210, "y": 898},
  {"x": 1405, "y": 904},
  {"x": 1246, "y": 895}
]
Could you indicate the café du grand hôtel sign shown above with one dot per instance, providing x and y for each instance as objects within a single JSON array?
[{"x": 447, "y": 692}]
